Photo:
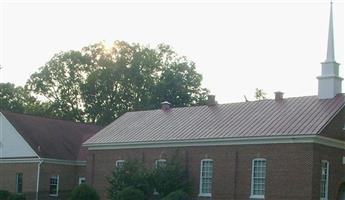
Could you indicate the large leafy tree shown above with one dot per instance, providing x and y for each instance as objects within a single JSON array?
[
  {"x": 59, "y": 83},
  {"x": 17, "y": 99},
  {"x": 134, "y": 77},
  {"x": 98, "y": 84}
]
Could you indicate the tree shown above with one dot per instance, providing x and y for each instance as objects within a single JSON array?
[
  {"x": 99, "y": 84},
  {"x": 259, "y": 94},
  {"x": 59, "y": 82},
  {"x": 12, "y": 98}
]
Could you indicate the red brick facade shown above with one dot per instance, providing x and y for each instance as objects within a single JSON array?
[
  {"x": 293, "y": 170},
  {"x": 68, "y": 179}
]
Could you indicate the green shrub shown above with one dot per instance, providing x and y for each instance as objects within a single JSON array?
[
  {"x": 177, "y": 195},
  {"x": 171, "y": 178},
  {"x": 131, "y": 193},
  {"x": 132, "y": 174},
  {"x": 17, "y": 197},
  {"x": 84, "y": 192},
  {"x": 4, "y": 195}
]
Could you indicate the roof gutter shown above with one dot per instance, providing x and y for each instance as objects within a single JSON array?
[
  {"x": 38, "y": 177},
  {"x": 293, "y": 139}
]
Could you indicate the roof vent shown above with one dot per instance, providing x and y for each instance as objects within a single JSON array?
[
  {"x": 278, "y": 96},
  {"x": 211, "y": 100},
  {"x": 166, "y": 105}
]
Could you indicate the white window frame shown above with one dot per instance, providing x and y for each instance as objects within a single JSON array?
[
  {"x": 160, "y": 161},
  {"x": 57, "y": 185},
  {"x": 118, "y": 163},
  {"x": 202, "y": 194},
  {"x": 326, "y": 181},
  {"x": 81, "y": 180},
  {"x": 252, "y": 195},
  {"x": 17, "y": 181}
]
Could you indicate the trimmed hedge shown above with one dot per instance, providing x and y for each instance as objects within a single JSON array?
[{"x": 130, "y": 193}]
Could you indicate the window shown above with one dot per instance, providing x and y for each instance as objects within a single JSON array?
[
  {"x": 19, "y": 183},
  {"x": 81, "y": 180},
  {"x": 324, "y": 180},
  {"x": 206, "y": 176},
  {"x": 160, "y": 163},
  {"x": 54, "y": 186},
  {"x": 119, "y": 163},
  {"x": 258, "y": 178}
]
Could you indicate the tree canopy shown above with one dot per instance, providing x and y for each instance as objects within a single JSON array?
[{"x": 98, "y": 83}]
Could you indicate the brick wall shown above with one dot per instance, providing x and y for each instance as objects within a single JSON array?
[
  {"x": 8, "y": 178},
  {"x": 68, "y": 179},
  {"x": 292, "y": 169}
]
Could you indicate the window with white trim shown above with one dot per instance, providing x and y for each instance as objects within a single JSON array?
[
  {"x": 119, "y": 164},
  {"x": 324, "y": 180},
  {"x": 54, "y": 186},
  {"x": 206, "y": 177},
  {"x": 258, "y": 178},
  {"x": 81, "y": 180},
  {"x": 19, "y": 183},
  {"x": 160, "y": 163}
]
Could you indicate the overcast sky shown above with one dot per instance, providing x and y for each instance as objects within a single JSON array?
[{"x": 237, "y": 45}]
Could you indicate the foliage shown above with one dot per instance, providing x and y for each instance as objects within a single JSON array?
[
  {"x": 132, "y": 174},
  {"x": 98, "y": 84},
  {"x": 17, "y": 197},
  {"x": 170, "y": 178},
  {"x": 131, "y": 193},
  {"x": 160, "y": 181},
  {"x": 83, "y": 192},
  {"x": 259, "y": 94},
  {"x": 177, "y": 195},
  {"x": 4, "y": 194}
]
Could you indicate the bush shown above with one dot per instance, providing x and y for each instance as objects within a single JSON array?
[
  {"x": 17, "y": 197},
  {"x": 4, "y": 195},
  {"x": 171, "y": 178},
  {"x": 132, "y": 174},
  {"x": 84, "y": 192},
  {"x": 177, "y": 195},
  {"x": 130, "y": 193}
]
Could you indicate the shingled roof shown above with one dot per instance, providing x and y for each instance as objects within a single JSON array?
[
  {"x": 292, "y": 116},
  {"x": 53, "y": 138}
]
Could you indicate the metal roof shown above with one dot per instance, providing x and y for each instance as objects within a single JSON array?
[{"x": 292, "y": 116}]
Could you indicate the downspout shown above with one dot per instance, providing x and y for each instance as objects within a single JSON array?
[{"x": 38, "y": 177}]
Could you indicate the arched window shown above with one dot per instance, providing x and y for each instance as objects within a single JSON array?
[
  {"x": 258, "y": 178},
  {"x": 206, "y": 177}
]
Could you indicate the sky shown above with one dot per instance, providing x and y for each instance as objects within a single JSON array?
[{"x": 237, "y": 45}]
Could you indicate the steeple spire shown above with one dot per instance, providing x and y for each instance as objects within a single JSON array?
[
  {"x": 330, "y": 47},
  {"x": 330, "y": 82}
]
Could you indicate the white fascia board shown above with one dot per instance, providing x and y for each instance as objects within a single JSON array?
[
  {"x": 44, "y": 160},
  {"x": 224, "y": 141}
]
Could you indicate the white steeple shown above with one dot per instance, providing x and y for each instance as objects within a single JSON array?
[{"x": 330, "y": 81}]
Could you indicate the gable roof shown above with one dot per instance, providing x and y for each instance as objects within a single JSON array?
[
  {"x": 293, "y": 116},
  {"x": 53, "y": 138}
]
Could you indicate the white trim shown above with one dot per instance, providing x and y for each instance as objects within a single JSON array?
[
  {"x": 201, "y": 194},
  {"x": 316, "y": 139},
  {"x": 252, "y": 196},
  {"x": 57, "y": 185},
  {"x": 81, "y": 180},
  {"x": 118, "y": 162},
  {"x": 327, "y": 180},
  {"x": 46, "y": 160},
  {"x": 159, "y": 160}
]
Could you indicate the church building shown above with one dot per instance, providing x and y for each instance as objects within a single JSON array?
[{"x": 279, "y": 149}]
